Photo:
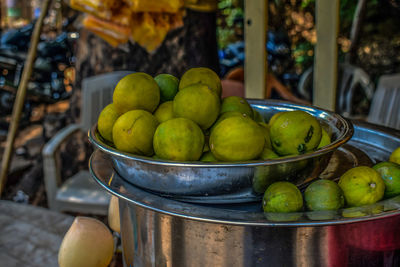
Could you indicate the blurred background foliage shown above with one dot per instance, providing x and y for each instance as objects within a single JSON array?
[{"x": 376, "y": 53}]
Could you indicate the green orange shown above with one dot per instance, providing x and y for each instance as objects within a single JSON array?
[
  {"x": 362, "y": 186},
  {"x": 390, "y": 173},
  {"x": 282, "y": 197},
  {"x": 178, "y": 139},
  {"x": 136, "y": 91},
  {"x": 324, "y": 195}
]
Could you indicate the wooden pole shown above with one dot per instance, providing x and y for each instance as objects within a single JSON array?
[
  {"x": 21, "y": 93},
  {"x": 255, "y": 33},
  {"x": 325, "y": 60}
]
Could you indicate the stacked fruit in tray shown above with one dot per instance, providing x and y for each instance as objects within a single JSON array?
[{"x": 186, "y": 120}]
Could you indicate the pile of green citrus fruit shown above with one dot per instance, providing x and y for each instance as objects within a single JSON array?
[
  {"x": 357, "y": 187},
  {"x": 186, "y": 120}
]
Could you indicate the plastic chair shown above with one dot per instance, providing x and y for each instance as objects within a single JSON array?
[
  {"x": 79, "y": 193},
  {"x": 350, "y": 79},
  {"x": 385, "y": 107}
]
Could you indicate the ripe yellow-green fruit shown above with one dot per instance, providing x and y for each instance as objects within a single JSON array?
[
  {"x": 294, "y": 133},
  {"x": 225, "y": 115},
  {"x": 274, "y": 117},
  {"x": 106, "y": 121},
  {"x": 268, "y": 153},
  {"x": 164, "y": 112},
  {"x": 265, "y": 128},
  {"x": 201, "y": 75},
  {"x": 198, "y": 103},
  {"x": 282, "y": 197},
  {"x": 324, "y": 195},
  {"x": 390, "y": 173},
  {"x": 168, "y": 86},
  {"x": 325, "y": 139},
  {"x": 362, "y": 186},
  {"x": 208, "y": 157},
  {"x": 88, "y": 243},
  {"x": 236, "y": 103},
  {"x": 133, "y": 132},
  {"x": 136, "y": 91},
  {"x": 178, "y": 139},
  {"x": 395, "y": 156},
  {"x": 237, "y": 139}
]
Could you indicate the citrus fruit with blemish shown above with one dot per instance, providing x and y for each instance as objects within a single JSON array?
[
  {"x": 294, "y": 133},
  {"x": 133, "y": 132}
]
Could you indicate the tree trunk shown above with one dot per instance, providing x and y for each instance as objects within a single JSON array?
[{"x": 192, "y": 45}]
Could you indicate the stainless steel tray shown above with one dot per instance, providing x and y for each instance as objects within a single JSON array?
[
  {"x": 369, "y": 145},
  {"x": 244, "y": 180}
]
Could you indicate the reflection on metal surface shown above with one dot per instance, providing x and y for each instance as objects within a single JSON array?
[{"x": 157, "y": 231}]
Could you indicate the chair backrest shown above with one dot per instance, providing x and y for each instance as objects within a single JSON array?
[
  {"x": 350, "y": 78},
  {"x": 97, "y": 93},
  {"x": 385, "y": 107}
]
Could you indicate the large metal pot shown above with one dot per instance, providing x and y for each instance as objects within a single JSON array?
[{"x": 157, "y": 231}]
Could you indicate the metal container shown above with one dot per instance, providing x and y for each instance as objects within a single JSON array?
[
  {"x": 243, "y": 181},
  {"x": 157, "y": 231}
]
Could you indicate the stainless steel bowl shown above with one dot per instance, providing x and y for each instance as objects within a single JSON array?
[{"x": 244, "y": 181}]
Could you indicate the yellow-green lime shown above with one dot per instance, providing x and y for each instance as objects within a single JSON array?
[
  {"x": 198, "y": 103},
  {"x": 133, "y": 132},
  {"x": 268, "y": 153},
  {"x": 225, "y": 115},
  {"x": 362, "y": 186},
  {"x": 282, "y": 197},
  {"x": 168, "y": 86},
  {"x": 274, "y": 117},
  {"x": 395, "y": 156},
  {"x": 106, "y": 121},
  {"x": 324, "y": 195},
  {"x": 390, "y": 173},
  {"x": 294, "y": 133},
  {"x": 236, "y": 103},
  {"x": 164, "y": 112},
  {"x": 208, "y": 157},
  {"x": 265, "y": 128},
  {"x": 237, "y": 138},
  {"x": 325, "y": 139},
  {"x": 136, "y": 91},
  {"x": 178, "y": 139},
  {"x": 201, "y": 75}
]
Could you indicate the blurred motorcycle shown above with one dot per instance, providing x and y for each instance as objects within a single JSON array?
[{"x": 47, "y": 82}]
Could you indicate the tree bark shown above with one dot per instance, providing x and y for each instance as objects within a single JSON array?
[{"x": 192, "y": 45}]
